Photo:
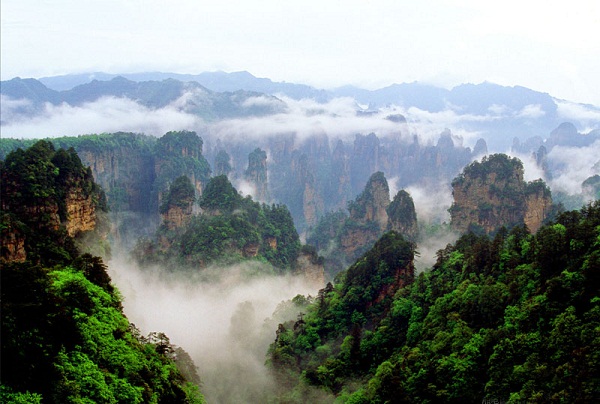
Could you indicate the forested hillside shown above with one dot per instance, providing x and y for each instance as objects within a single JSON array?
[
  {"x": 513, "y": 318},
  {"x": 65, "y": 338},
  {"x": 230, "y": 229}
]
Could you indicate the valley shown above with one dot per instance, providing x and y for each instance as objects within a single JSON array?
[{"x": 367, "y": 258}]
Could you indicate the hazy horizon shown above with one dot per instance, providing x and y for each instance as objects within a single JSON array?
[{"x": 549, "y": 47}]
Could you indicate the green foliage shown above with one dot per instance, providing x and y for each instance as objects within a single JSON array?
[
  {"x": 177, "y": 154},
  {"x": 35, "y": 185},
  {"x": 181, "y": 193},
  {"x": 503, "y": 166},
  {"x": 232, "y": 229},
  {"x": 513, "y": 318},
  {"x": 65, "y": 338},
  {"x": 220, "y": 195},
  {"x": 222, "y": 163}
]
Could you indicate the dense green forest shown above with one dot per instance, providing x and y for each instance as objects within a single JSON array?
[
  {"x": 230, "y": 229},
  {"x": 65, "y": 338},
  {"x": 513, "y": 318}
]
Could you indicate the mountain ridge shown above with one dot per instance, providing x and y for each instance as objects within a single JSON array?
[{"x": 499, "y": 113}]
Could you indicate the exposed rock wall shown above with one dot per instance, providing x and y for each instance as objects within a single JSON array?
[
  {"x": 311, "y": 269},
  {"x": 177, "y": 217},
  {"x": 402, "y": 216},
  {"x": 538, "y": 206},
  {"x": 492, "y": 194},
  {"x": 81, "y": 212},
  {"x": 126, "y": 174},
  {"x": 256, "y": 174},
  {"x": 13, "y": 242}
]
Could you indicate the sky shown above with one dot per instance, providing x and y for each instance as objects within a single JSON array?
[{"x": 549, "y": 46}]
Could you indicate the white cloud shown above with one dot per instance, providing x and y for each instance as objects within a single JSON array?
[
  {"x": 586, "y": 115},
  {"x": 262, "y": 101},
  {"x": 432, "y": 202},
  {"x": 572, "y": 166},
  {"x": 107, "y": 114},
  {"x": 218, "y": 316},
  {"x": 531, "y": 171},
  {"x": 531, "y": 111}
]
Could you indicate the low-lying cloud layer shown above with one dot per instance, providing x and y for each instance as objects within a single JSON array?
[
  {"x": 219, "y": 321},
  {"x": 573, "y": 165},
  {"x": 339, "y": 118},
  {"x": 105, "y": 115}
]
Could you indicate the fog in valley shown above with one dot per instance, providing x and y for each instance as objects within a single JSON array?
[{"x": 224, "y": 318}]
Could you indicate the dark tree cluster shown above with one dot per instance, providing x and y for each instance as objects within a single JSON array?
[{"x": 513, "y": 318}]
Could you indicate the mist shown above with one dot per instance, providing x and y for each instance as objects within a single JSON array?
[
  {"x": 569, "y": 167},
  {"x": 573, "y": 165},
  {"x": 105, "y": 115},
  {"x": 339, "y": 118},
  {"x": 432, "y": 204},
  {"x": 222, "y": 318}
]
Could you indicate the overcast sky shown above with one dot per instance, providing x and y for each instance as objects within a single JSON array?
[{"x": 547, "y": 45}]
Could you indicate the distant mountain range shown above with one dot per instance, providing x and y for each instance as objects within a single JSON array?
[{"x": 497, "y": 113}]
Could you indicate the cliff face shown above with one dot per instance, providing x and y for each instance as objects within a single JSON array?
[
  {"x": 492, "y": 194},
  {"x": 46, "y": 193},
  {"x": 256, "y": 174},
  {"x": 177, "y": 207},
  {"x": 311, "y": 269},
  {"x": 538, "y": 202},
  {"x": 125, "y": 173},
  {"x": 354, "y": 241},
  {"x": 176, "y": 217},
  {"x": 402, "y": 216},
  {"x": 81, "y": 212},
  {"x": 13, "y": 241},
  {"x": 176, "y": 154},
  {"x": 371, "y": 204},
  {"x": 368, "y": 217}
]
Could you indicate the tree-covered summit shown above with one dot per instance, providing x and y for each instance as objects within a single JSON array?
[
  {"x": 65, "y": 338},
  {"x": 230, "y": 229},
  {"x": 513, "y": 318}
]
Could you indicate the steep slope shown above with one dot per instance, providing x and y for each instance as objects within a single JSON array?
[
  {"x": 341, "y": 238},
  {"x": 511, "y": 318},
  {"x": 492, "y": 193},
  {"x": 230, "y": 229},
  {"x": 47, "y": 191},
  {"x": 65, "y": 338}
]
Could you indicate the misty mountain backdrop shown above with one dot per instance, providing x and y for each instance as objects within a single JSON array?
[
  {"x": 312, "y": 150},
  {"x": 425, "y": 266},
  {"x": 493, "y": 112}
]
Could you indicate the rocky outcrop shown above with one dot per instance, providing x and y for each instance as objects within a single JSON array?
[
  {"x": 177, "y": 154},
  {"x": 402, "y": 216},
  {"x": 342, "y": 238},
  {"x": 177, "y": 207},
  {"x": 81, "y": 212},
  {"x": 13, "y": 241},
  {"x": 250, "y": 250},
  {"x": 368, "y": 217},
  {"x": 46, "y": 194},
  {"x": 256, "y": 174},
  {"x": 538, "y": 202},
  {"x": 176, "y": 217},
  {"x": 311, "y": 268},
  {"x": 492, "y": 193},
  {"x": 480, "y": 148},
  {"x": 371, "y": 204}
]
